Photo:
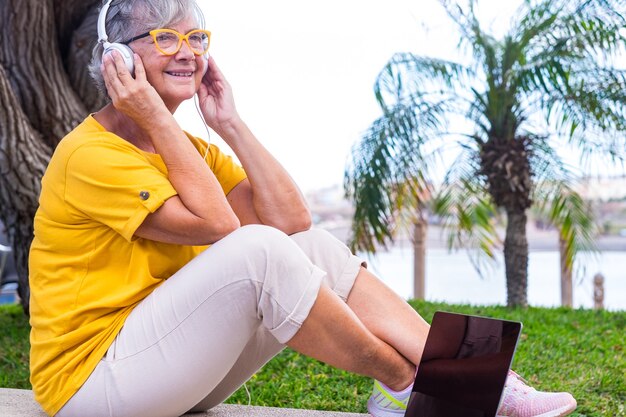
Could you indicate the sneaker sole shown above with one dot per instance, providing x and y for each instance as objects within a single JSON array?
[
  {"x": 376, "y": 411},
  {"x": 559, "y": 412}
]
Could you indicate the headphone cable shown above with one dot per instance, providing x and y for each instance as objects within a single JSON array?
[{"x": 195, "y": 102}]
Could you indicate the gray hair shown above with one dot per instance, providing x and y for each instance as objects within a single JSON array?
[{"x": 129, "y": 18}]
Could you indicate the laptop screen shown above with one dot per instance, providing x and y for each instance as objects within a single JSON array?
[{"x": 464, "y": 366}]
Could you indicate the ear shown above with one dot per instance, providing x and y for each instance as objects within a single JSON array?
[{"x": 125, "y": 52}]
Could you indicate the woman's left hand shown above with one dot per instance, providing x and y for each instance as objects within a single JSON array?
[{"x": 216, "y": 99}]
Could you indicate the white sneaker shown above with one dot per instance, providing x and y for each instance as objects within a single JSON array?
[
  {"x": 386, "y": 403},
  {"x": 520, "y": 400}
]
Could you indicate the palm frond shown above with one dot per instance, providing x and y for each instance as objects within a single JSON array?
[
  {"x": 593, "y": 115},
  {"x": 571, "y": 215},
  {"x": 598, "y": 96},
  {"x": 569, "y": 73},
  {"x": 558, "y": 204},
  {"x": 464, "y": 20},
  {"x": 389, "y": 170},
  {"x": 566, "y": 26},
  {"x": 533, "y": 21},
  {"x": 467, "y": 213},
  {"x": 407, "y": 75},
  {"x": 555, "y": 36},
  {"x": 482, "y": 45},
  {"x": 546, "y": 164}
]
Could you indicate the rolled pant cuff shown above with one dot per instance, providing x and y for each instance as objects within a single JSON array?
[
  {"x": 346, "y": 280},
  {"x": 292, "y": 323}
]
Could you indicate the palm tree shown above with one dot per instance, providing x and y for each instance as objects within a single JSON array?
[{"x": 553, "y": 77}]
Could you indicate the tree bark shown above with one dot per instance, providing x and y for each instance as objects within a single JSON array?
[
  {"x": 516, "y": 259},
  {"x": 83, "y": 38},
  {"x": 23, "y": 160},
  {"x": 30, "y": 56},
  {"x": 70, "y": 14},
  {"x": 505, "y": 164},
  {"x": 45, "y": 92},
  {"x": 419, "y": 259},
  {"x": 567, "y": 293}
]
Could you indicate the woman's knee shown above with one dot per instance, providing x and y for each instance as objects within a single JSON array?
[
  {"x": 333, "y": 256},
  {"x": 320, "y": 245},
  {"x": 251, "y": 233},
  {"x": 258, "y": 233},
  {"x": 315, "y": 237},
  {"x": 254, "y": 238},
  {"x": 264, "y": 248}
]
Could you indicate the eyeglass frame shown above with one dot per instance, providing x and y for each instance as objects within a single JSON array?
[{"x": 181, "y": 37}]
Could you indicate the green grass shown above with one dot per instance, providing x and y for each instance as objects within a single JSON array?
[
  {"x": 14, "y": 347},
  {"x": 580, "y": 351}
]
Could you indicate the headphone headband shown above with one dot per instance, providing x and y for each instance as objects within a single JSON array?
[
  {"x": 103, "y": 38},
  {"x": 102, "y": 32}
]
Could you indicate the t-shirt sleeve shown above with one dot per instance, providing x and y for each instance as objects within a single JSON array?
[
  {"x": 226, "y": 170},
  {"x": 114, "y": 185}
]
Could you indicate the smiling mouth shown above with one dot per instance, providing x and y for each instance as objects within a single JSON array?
[{"x": 180, "y": 74}]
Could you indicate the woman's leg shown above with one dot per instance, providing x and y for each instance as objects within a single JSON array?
[
  {"x": 337, "y": 345},
  {"x": 332, "y": 333},
  {"x": 392, "y": 320},
  {"x": 386, "y": 315},
  {"x": 185, "y": 337},
  {"x": 258, "y": 351},
  {"x": 375, "y": 308},
  {"x": 342, "y": 269}
]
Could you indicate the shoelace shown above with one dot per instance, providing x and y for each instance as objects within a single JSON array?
[
  {"x": 519, "y": 383},
  {"x": 515, "y": 389}
]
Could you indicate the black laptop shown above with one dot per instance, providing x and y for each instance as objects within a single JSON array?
[{"x": 464, "y": 367}]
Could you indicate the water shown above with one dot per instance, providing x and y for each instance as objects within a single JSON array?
[{"x": 451, "y": 278}]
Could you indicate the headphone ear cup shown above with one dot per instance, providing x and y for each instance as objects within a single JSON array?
[{"x": 125, "y": 52}]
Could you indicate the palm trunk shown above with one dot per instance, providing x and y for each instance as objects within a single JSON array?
[
  {"x": 567, "y": 294},
  {"x": 419, "y": 259},
  {"x": 516, "y": 259}
]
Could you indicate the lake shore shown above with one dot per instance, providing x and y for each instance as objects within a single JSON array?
[{"x": 538, "y": 239}]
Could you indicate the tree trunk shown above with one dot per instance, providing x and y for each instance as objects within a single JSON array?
[
  {"x": 23, "y": 160},
  {"x": 505, "y": 164},
  {"x": 72, "y": 14},
  {"x": 419, "y": 259},
  {"x": 516, "y": 259},
  {"x": 45, "y": 46},
  {"x": 35, "y": 69},
  {"x": 567, "y": 294}
]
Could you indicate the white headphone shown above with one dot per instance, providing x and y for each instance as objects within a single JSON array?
[{"x": 103, "y": 38}]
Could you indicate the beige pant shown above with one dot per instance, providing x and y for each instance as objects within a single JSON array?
[{"x": 207, "y": 329}]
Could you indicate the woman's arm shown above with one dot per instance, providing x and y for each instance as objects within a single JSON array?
[
  {"x": 269, "y": 196},
  {"x": 200, "y": 213}
]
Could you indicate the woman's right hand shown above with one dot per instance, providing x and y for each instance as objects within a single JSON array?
[
  {"x": 135, "y": 97},
  {"x": 199, "y": 214}
]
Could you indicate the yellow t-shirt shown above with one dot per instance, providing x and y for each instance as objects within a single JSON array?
[{"x": 87, "y": 271}]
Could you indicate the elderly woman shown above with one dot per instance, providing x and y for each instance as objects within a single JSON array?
[{"x": 164, "y": 275}]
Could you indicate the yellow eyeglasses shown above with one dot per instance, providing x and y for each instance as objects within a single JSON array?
[{"x": 169, "y": 42}]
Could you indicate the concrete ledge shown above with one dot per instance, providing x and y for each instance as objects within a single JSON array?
[{"x": 20, "y": 403}]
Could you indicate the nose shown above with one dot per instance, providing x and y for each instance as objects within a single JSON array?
[{"x": 185, "y": 51}]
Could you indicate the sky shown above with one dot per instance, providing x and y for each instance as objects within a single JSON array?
[{"x": 303, "y": 72}]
